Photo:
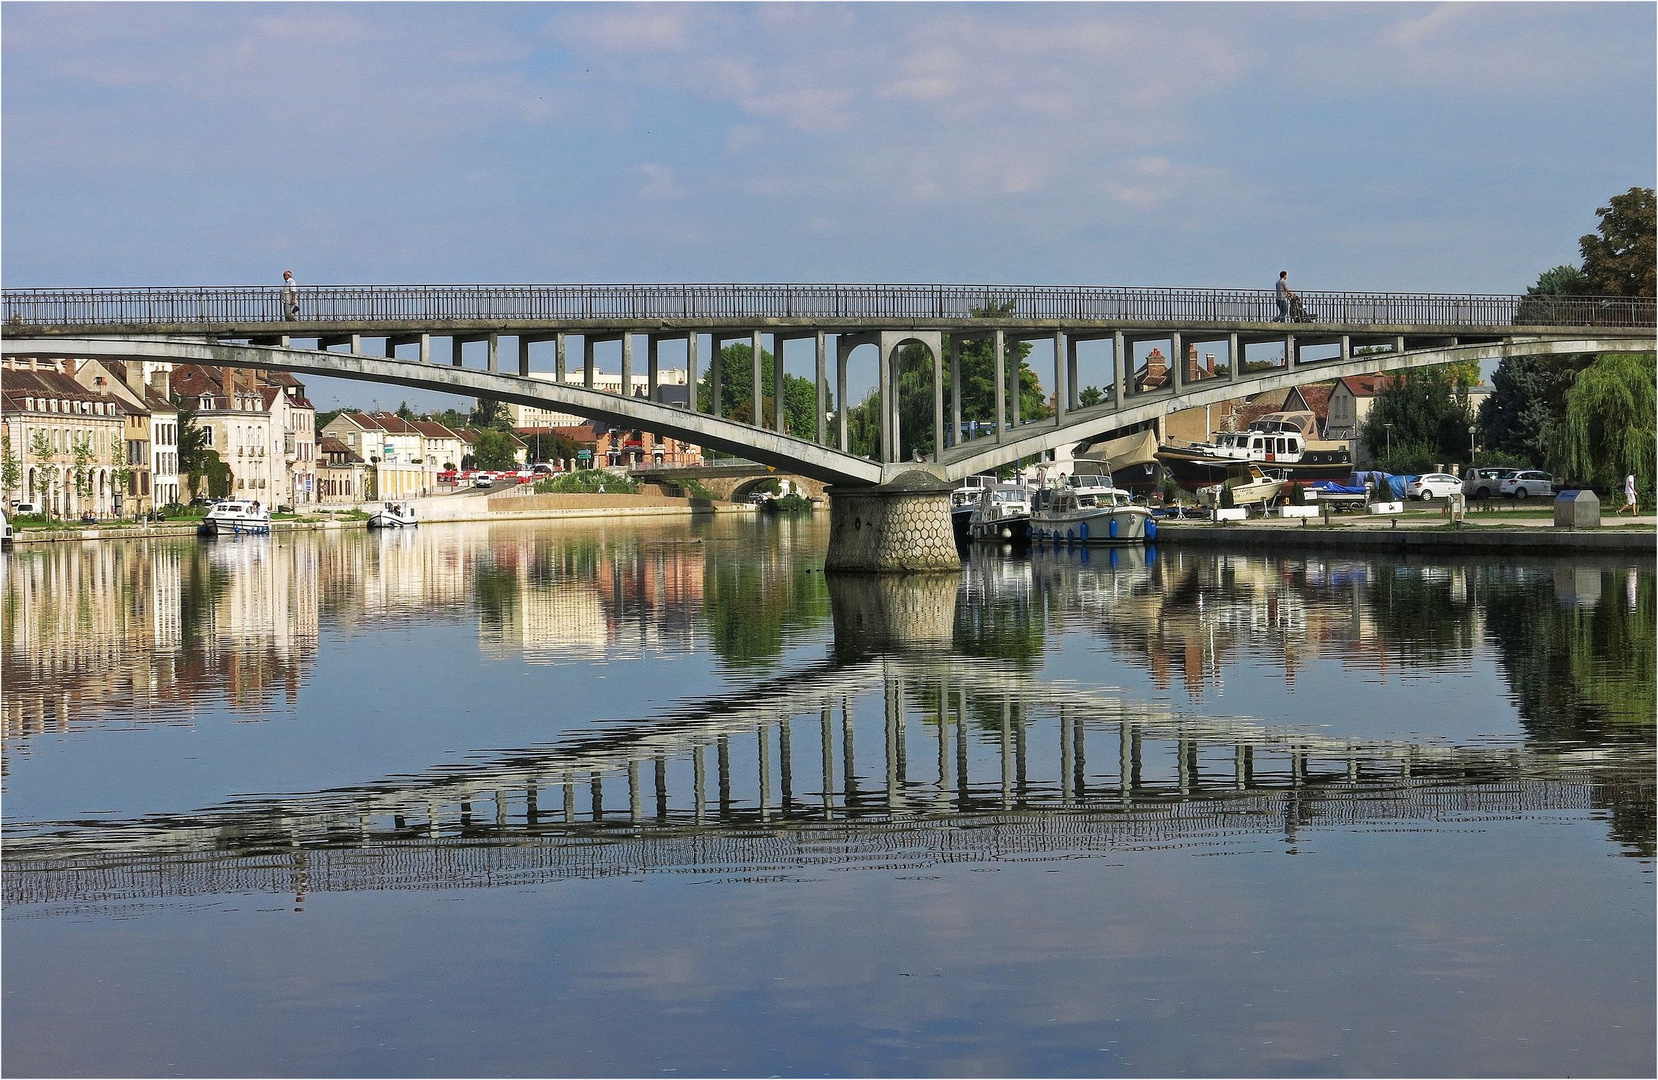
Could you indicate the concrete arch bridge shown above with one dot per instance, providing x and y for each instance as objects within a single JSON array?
[{"x": 893, "y": 506}]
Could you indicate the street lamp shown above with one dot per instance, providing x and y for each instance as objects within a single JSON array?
[
  {"x": 1471, "y": 429},
  {"x": 1389, "y": 428}
]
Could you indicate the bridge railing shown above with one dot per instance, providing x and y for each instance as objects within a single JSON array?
[{"x": 369, "y": 305}]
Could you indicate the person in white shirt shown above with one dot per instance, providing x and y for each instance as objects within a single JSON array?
[
  {"x": 1284, "y": 296},
  {"x": 290, "y": 294},
  {"x": 1628, "y": 495}
]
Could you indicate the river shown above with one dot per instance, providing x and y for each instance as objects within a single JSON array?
[{"x": 635, "y": 799}]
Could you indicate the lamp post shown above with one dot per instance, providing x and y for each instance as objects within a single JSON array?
[
  {"x": 1389, "y": 428},
  {"x": 1471, "y": 429}
]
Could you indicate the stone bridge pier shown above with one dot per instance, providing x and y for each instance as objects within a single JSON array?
[{"x": 900, "y": 527}]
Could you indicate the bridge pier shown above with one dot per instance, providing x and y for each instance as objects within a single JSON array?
[{"x": 902, "y": 527}]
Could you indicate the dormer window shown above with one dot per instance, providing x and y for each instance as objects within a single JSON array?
[{"x": 206, "y": 401}]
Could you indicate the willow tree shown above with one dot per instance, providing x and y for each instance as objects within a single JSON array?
[{"x": 1610, "y": 426}]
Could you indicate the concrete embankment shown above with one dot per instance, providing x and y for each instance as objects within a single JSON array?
[{"x": 1541, "y": 539}]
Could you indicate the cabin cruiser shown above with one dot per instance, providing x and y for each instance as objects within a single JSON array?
[
  {"x": 236, "y": 516},
  {"x": 1246, "y": 484},
  {"x": 1287, "y": 441},
  {"x": 393, "y": 515},
  {"x": 1002, "y": 515},
  {"x": 1133, "y": 458},
  {"x": 1089, "y": 509},
  {"x": 963, "y": 501}
]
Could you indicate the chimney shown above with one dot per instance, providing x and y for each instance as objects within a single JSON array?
[
  {"x": 135, "y": 377},
  {"x": 229, "y": 377},
  {"x": 1209, "y": 363},
  {"x": 1191, "y": 363},
  {"x": 1157, "y": 368}
]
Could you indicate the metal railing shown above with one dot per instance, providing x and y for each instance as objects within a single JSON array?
[{"x": 410, "y": 305}]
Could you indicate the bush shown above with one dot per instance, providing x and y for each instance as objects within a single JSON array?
[{"x": 588, "y": 482}]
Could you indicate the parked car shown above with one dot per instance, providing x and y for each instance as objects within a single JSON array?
[
  {"x": 1484, "y": 483},
  {"x": 1434, "y": 485},
  {"x": 483, "y": 480},
  {"x": 1526, "y": 483},
  {"x": 27, "y": 508}
]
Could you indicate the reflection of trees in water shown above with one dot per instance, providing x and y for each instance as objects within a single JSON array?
[
  {"x": 1580, "y": 672},
  {"x": 1585, "y": 674},
  {"x": 756, "y": 601},
  {"x": 1421, "y": 612}
]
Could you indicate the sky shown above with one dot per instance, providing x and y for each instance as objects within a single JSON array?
[{"x": 1387, "y": 147}]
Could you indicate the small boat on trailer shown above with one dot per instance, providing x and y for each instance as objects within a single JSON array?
[
  {"x": 1245, "y": 485},
  {"x": 393, "y": 515},
  {"x": 1002, "y": 515},
  {"x": 236, "y": 517}
]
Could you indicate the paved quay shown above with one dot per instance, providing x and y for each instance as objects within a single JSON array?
[{"x": 1419, "y": 532}]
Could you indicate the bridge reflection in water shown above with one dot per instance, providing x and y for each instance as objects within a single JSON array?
[{"x": 900, "y": 749}]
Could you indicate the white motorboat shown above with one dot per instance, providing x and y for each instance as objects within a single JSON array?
[
  {"x": 393, "y": 515},
  {"x": 1088, "y": 509},
  {"x": 964, "y": 500},
  {"x": 235, "y": 517},
  {"x": 1245, "y": 485},
  {"x": 1002, "y": 515}
]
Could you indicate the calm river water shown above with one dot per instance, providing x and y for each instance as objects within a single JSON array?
[{"x": 653, "y": 799}]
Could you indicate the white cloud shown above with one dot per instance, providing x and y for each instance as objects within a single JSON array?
[{"x": 656, "y": 181}]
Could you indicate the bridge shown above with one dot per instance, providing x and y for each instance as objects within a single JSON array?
[
  {"x": 890, "y": 507},
  {"x": 959, "y": 759}
]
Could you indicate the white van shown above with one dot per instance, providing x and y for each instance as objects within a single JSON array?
[{"x": 26, "y": 508}]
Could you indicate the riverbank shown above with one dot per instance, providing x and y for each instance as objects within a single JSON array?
[
  {"x": 431, "y": 511},
  {"x": 1424, "y": 534}
]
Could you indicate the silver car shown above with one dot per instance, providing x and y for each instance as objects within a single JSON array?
[{"x": 1485, "y": 482}]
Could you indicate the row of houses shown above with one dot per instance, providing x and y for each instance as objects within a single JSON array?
[{"x": 102, "y": 437}]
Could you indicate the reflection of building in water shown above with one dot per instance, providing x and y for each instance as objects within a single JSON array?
[
  {"x": 144, "y": 632},
  {"x": 610, "y": 596}
]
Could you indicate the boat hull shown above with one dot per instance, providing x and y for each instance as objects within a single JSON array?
[
  {"x": 1009, "y": 530},
  {"x": 1102, "y": 526},
  {"x": 387, "y": 521},
  {"x": 1194, "y": 470}
]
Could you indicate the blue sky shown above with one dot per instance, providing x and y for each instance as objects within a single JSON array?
[{"x": 1388, "y": 147}]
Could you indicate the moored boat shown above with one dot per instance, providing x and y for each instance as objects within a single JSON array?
[
  {"x": 235, "y": 517},
  {"x": 963, "y": 501},
  {"x": 1285, "y": 441},
  {"x": 1002, "y": 515},
  {"x": 1089, "y": 509},
  {"x": 393, "y": 515}
]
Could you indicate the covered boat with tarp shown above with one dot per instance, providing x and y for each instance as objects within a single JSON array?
[{"x": 1133, "y": 458}]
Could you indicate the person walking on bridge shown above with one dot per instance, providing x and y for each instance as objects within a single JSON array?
[
  {"x": 290, "y": 295},
  {"x": 1285, "y": 295}
]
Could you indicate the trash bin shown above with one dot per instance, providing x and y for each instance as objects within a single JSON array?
[{"x": 1577, "y": 510}]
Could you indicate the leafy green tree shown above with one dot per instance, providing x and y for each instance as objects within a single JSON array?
[
  {"x": 493, "y": 449},
  {"x": 490, "y": 413},
  {"x": 588, "y": 482},
  {"x": 11, "y": 469},
  {"x": 1090, "y": 395},
  {"x": 1610, "y": 424},
  {"x": 1429, "y": 415},
  {"x": 1518, "y": 422},
  {"x": 120, "y": 473},
  {"x": 81, "y": 460},
  {"x": 1620, "y": 258},
  {"x": 405, "y": 412},
  {"x": 736, "y": 363},
  {"x": 46, "y": 466}
]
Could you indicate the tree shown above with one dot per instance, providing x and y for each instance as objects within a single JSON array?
[
  {"x": 1621, "y": 258},
  {"x": 1538, "y": 306},
  {"x": 80, "y": 465},
  {"x": 490, "y": 413},
  {"x": 120, "y": 473},
  {"x": 736, "y": 363},
  {"x": 492, "y": 449},
  {"x": 46, "y": 466},
  {"x": 1610, "y": 424},
  {"x": 1428, "y": 414},
  {"x": 11, "y": 470},
  {"x": 404, "y": 412}
]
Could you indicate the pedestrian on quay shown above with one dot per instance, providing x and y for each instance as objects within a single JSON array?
[
  {"x": 1285, "y": 295},
  {"x": 290, "y": 294},
  {"x": 1628, "y": 496}
]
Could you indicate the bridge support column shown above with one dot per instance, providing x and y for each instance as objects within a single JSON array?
[
  {"x": 757, "y": 414},
  {"x": 955, "y": 392},
  {"x": 691, "y": 370},
  {"x": 999, "y": 347},
  {"x": 902, "y": 527},
  {"x": 821, "y": 423}
]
